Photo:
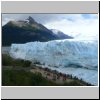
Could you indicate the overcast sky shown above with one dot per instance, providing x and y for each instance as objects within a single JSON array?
[{"x": 77, "y": 25}]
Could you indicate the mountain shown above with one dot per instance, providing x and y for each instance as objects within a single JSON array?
[
  {"x": 23, "y": 31},
  {"x": 60, "y": 34}
]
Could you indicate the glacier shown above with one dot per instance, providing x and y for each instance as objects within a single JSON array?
[{"x": 60, "y": 54}]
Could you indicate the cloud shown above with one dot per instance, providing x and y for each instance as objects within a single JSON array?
[
  {"x": 41, "y": 18},
  {"x": 76, "y": 25},
  {"x": 6, "y": 20},
  {"x": 8, "y": 17}
]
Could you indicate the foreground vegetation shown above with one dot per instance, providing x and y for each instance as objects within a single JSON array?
[
  {"x": 8, "y": 61},
  {"x": 22, "y": 78},
  {"x": 20, "y": 75}
]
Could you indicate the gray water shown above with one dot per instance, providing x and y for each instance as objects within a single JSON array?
[{"x": 5, "y": 50}]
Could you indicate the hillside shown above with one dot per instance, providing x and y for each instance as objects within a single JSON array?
[{"x": 23, "y": 31}]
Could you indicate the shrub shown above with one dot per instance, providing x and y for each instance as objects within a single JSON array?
[
  {"x": 22, "y": 78},
  {"x": 6, "y": 60},
  {"x": 37, "y": 62},
  {"x": 26, "y": 63}
]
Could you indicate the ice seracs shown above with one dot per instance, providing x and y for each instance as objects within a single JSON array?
[
  {"x": 76, "y": 57},
  {"x": 60, "y": 53}
]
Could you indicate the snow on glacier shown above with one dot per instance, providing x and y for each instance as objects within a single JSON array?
[{"x": 60, "y": 54}]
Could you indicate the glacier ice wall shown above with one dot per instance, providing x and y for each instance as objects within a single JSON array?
[{"x": 59, "y": 53}]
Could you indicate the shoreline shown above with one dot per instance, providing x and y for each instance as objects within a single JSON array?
[
  {"x": 83, "y": 74},
  {"x": 56, "y": 76}
]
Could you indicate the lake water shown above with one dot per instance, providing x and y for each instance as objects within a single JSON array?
[{"x": 5, "y": 50}]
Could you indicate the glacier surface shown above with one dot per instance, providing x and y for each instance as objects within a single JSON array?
[{"x": 68, "y": 53}]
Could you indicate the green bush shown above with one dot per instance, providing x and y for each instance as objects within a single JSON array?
[
  {"x": 7, "y": 61},
  {"x": 22, "y": 78},
  {"x": 26, "y": 64}
]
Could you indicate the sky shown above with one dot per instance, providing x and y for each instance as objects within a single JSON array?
[{"x": 85, "y": 26}]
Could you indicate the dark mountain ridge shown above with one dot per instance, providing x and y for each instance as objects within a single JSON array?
[{"x": 23, "y": 31}]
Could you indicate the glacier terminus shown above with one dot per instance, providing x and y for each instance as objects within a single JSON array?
[{"x": 71, "y": 56}]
